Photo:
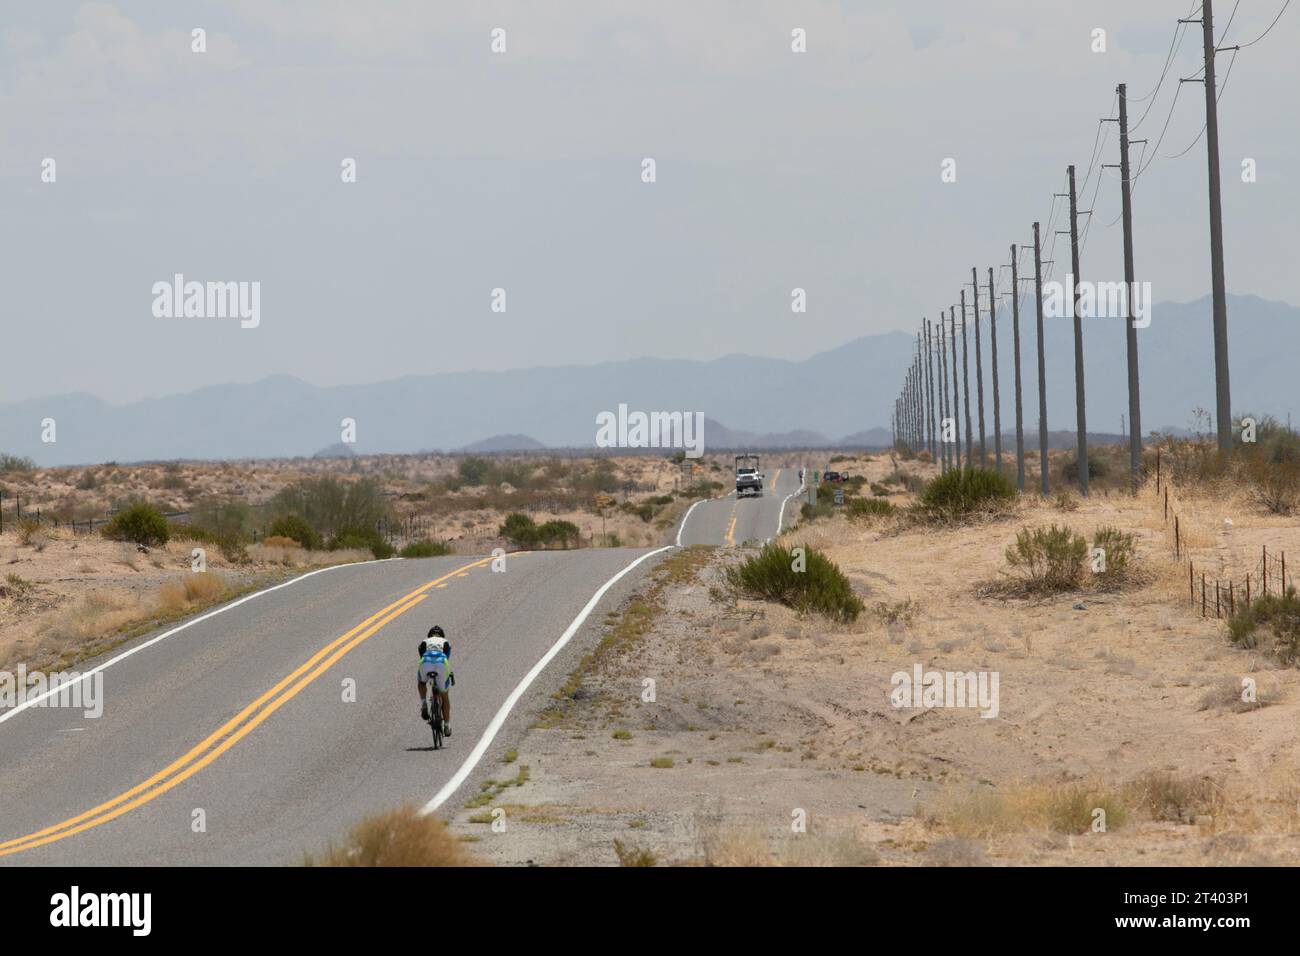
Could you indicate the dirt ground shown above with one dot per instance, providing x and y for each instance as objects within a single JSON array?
[{"x": 772, "y": 738}]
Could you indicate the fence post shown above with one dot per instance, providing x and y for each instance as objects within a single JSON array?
[
  {"x": 1217, "y": 603},
  {"x": 1265, "y": 582},
  {"x": 1232, "y": 599},
  {"x": 1203, "y": 603},
  {"x": 1248, "y": 589},
  {"x": 1158, "y": 475},
  {"x": 1191, "y": 581},
  {"x": 1177, "y": 544},
  {"x": 1284, "y": 574}
]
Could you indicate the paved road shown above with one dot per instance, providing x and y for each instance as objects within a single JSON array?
[
  {"x": 730, "y": 522},
  {"x": 240, "y": 722}
]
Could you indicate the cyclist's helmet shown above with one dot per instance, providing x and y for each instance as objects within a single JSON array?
[{"x": 435, "y": 631}]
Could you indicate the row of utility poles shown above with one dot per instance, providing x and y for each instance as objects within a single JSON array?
[{"x": 929, "y": 415}]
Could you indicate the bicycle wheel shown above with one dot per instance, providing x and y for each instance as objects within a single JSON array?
[{"x": 435, "y": 723}]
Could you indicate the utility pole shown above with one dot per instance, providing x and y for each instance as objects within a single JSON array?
[
  {"x": 1222, "y": 390},
  {"x": 1015, "y": 341},
  {"x": 956, "y": 419},
  {"x": 1042, "y": 371},
  {"x": 1130, "y": 330},
  {"x": 965, "y": 383},
  {"x": 943, "y": 395},
  {"x": 979, "y": 365},
  {"x": 1080, "y": 415},
  {"x": 929, "y": 389},
  {"x": 997, "y": 402}
]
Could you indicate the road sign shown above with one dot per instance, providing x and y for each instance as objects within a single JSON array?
[{"x": 839, "y": 496}]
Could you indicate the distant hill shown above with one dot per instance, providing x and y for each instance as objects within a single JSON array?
[
  {"x": 500, "y": 443},
  {"x": 847, "y": 391},
  {"x": 336, "y": 450}
]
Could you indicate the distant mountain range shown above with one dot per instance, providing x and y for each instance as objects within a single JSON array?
[{"x": 842, "y": 397}]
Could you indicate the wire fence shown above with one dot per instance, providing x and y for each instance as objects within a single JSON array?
[{"x": 1214, "y": 594}]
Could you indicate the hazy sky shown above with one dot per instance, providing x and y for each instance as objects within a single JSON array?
[{"x": 522, "y": 170}]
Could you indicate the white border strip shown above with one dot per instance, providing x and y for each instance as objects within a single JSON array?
[
  {"x": 452, "y": 785},
  {"x": 688, "y": 518},
  {"x": 780, "y": 520},
  {"x": 33, "y": 701}
]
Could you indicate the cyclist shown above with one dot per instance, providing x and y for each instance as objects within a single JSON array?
[{"x": 435, "y": 668}]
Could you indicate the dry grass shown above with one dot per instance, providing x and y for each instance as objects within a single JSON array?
[
  {"x": 196, "y": 588},
  {"x": 1060, "y": 808},
  {"x": 398, "y": 838},
  {"x": 754, "y": 846}
]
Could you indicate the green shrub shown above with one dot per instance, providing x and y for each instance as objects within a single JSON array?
[
  {"x": 1119, "y": 552},
  {"x": 1274, "y": 617},
  {"x": 295, "y": 527},
  {"x": 869, "y": 507},
  {"x": 364, "y": 539},
  {"x": 330, "y": 505},
  {"x": 1049, "y": 559},
  {"x": 139, "y": 522},
  {"x": 963, "y": 493},
  {"x": 1098, "y": 467},
  {"x": 426, "y": 549},
  {"x": 12, "y": 463},
  {"x": 820, "y": 586},
  {"x": 520, "y": 530},
  {"x": 562, "y": 533},
  {"x": 810, "y": 512}
]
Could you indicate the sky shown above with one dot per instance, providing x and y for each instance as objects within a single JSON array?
[{"x": 522, "y": 170}]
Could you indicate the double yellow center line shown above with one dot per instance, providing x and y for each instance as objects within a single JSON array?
[{"x": 234, "y": 729}]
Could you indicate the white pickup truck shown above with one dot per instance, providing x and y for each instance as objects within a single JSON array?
[{"x": 749, "y": 480}]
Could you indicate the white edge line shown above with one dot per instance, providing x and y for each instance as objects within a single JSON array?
[
  {"x": 452, "y": 785},
  {"x": 780, "y": 521},
  {"x": 686, "y": 519},
  {"x": 33, "y": 701}
]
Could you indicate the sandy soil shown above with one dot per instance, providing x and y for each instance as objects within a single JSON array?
[{"x": 770, "y": 720}]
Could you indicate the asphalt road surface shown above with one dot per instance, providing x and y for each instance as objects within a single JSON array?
[
  {"x": 266, "y": 730},
  {"x": 731, "y": 522}
]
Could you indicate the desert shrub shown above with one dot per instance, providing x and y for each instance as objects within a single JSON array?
[
  {"x": 810, "y": 512},
  {"x": 1273, "y": 484},
  {"x": 141, "y": 523},
  {"x": 869, "y": 507},
  {"x": 223, "y": 517},
  {"x": 87, "y": 480},
  {"x": 520, "y": 530},
  {"x": 29, "y": 531},
  {"x": 1270, "y": 617},
  {"x": 1273, "y": 441},
  {"x": 399, "y": 838},
  {"x": 13, "y": 463},
  {"x": 295, "y": 527},
  {"x": 1098, "y": 467},
  {"x": 196, "y": 588},
  {"x": 425, "y": 549},
  {"x": 280, "y": 541},
  {"x": 365, "y": 539},
  {"x": 809, "y": 582},
  {"x": 1049, "y": 559},
  {"x": 963, "y": 493},
  {"x": 1119, "y": 549},
  {"x": 562, "y": 533},
  {"x": 629, "y": 855},
  {"x": 1175, "y": 798},
  {"x": 330, "y": 505}
]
